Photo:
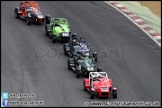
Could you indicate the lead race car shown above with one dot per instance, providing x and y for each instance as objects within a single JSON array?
[
  {"x": 98, "y": 84},
  {"x": 58, "y": 29},
  {"x": 30, "y": 12}
]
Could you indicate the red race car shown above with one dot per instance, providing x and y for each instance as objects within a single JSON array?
[
  {"x": 98, "y": 84},
  {"x": 29, "y": 11}
]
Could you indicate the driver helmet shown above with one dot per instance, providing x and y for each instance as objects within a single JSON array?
[{"x": 74, "y": 35}]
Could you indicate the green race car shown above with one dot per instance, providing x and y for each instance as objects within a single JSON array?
[
  {"x": 81, "y": 64},
  {"x": 58, "y": 29}
]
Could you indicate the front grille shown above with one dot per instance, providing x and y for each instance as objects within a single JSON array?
[
  {"x": 40, "y": 20},
  {"x": 104, "y": 93}
]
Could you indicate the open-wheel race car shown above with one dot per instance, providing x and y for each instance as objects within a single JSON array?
[
  {"x": 98, "y": 84},
  {"x": 58, "y": 29},
  {"x": 81, "y": 65},
  {"x": 78, "y": 45},
  {"x": 30, "y": 12}
]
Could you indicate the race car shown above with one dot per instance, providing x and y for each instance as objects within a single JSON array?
[
  {"x": 78, "y": 45},
  {"x": 81, "y": 65},
  {"x": 58, "y": 29},
  {"x": 30, "y": 12},
  {"x": 98, "y": 84}
]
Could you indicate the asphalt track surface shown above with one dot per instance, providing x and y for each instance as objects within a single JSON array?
[{"x": 30, "y": 63}]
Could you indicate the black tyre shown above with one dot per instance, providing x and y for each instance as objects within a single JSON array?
[
  {"x": 64, "y": 47},
  {"x": 114, "y": 93},
  {"x": 16, "y": 13},
  {"x": 84, "y": 87},
  {"x": 28, "y": 21},
  {"x": 92, "y": 95},
  {"x": 95, "y": 57},
  {"x": 78, "y": 74},
  {"x": 69, "y": 65},
  {"x": 47, "y": 34},
  {"x": 53, "y": 39},
  {"x": 99, "y": 69},
  {"x": 47, "y": 19}
]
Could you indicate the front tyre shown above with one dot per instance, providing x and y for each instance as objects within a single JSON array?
[
  {"x": 47, "y": 18},
  {"x": 78, "y": 74},
  {"x": 53, "y": 39},
  {"x": 47, "y": 34},
  {"x": 84, "y": 87},
  {"x": 16, "y": 13},
  {"x": 69, "y": 65},
  {"x": 92, "y": 94},
  {"x": 114, "y": 93},
  {"x": 28, "y": 21}
]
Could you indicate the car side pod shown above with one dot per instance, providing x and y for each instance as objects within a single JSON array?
[{"x": 114, "y": 92}]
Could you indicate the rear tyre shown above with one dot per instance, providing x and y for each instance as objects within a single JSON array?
[
  {"x": 47, "y": 18},
  {"x": 95, "y": 57},
  {"x": 64, "y": 47},
  {"x": 114, "y": 93}
]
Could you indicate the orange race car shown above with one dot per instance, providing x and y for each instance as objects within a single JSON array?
[{"x": 29, "y": 11}]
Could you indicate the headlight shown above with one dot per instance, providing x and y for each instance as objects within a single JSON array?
[
  {"x": 92, "y": 68},
  {"x": 88, "y": 68},
  {"x": 40, "y": 16}
]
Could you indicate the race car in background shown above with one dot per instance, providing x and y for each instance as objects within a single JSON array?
[
  {"x": 81, "y": 64},
  {"x": 30, "y": 12},
  {"x": 98, "y": 84},
  {"x": 78, "y": 45},
  {"x": 58, "y": 29}
]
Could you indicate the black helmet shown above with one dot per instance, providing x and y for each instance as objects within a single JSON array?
[
  {"x": 99, "y": 69},
  {"x": 74, "y": 35}
]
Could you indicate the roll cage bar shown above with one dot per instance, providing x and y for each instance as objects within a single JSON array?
[{"x": 94, "y": 75}]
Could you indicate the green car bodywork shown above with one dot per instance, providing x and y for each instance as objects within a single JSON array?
[
  {"x": 60, "y": 28},
  {"x": 82, "y": 65}
]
